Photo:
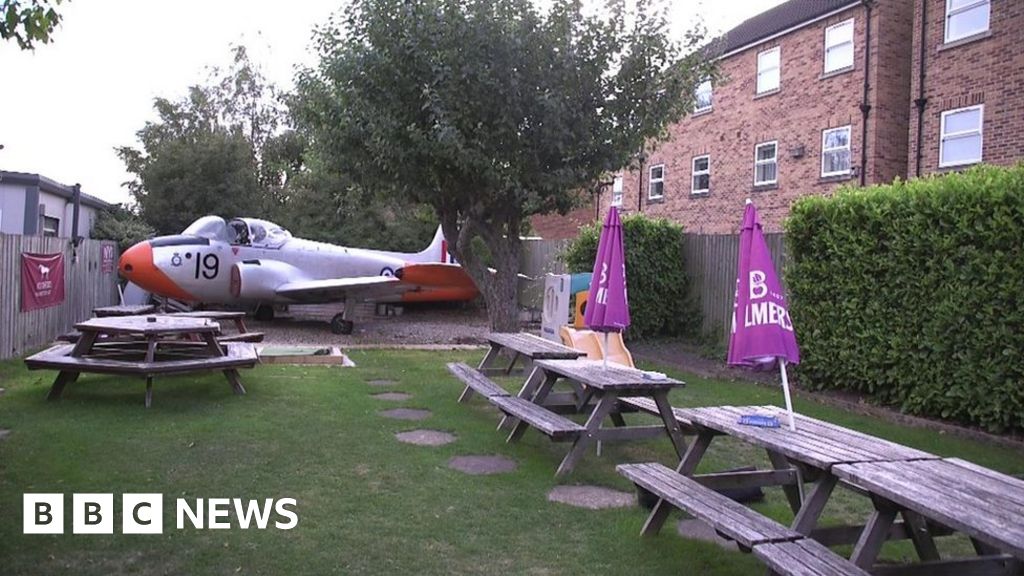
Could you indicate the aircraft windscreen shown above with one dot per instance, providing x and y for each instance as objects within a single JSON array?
[
  {"x": 264, "y": 234},
  {"x": 212, "y": 227}
]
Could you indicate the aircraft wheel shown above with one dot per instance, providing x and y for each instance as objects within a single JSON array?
[
  {"x": 341, "y": 326},
  {"x": 264, "y": 313}
]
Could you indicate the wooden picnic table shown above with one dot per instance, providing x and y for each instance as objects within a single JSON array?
[
  {"x": 603, "y": 385},
  {"x": 983, "y": 504},
  {"x": 242, "y": 333},
  {"x": 523, "y": 346},
  {"x": 145, "y": 346},
  {"x": 125, "y": 310},
  {"x": 933, "y": 496}
]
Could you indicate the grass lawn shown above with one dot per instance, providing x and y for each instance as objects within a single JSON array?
[{"x": 367, "y": 504}]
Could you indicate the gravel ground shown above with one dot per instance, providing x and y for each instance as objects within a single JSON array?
[{"x": 441, "y": 325}]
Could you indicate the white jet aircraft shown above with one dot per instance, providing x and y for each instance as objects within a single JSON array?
[{"x": 253, "y": 262}]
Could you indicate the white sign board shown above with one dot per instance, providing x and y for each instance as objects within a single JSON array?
[{"x": 556, "y": 305}]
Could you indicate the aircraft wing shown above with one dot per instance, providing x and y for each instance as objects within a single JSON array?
[{"x": 360, "y": 288}]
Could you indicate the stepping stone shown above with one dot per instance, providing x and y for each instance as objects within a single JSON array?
[
  {"x": 592, "y": 497},
  {"x": 2, "y": 390},
  {"x": 694, "y": 529},
  {"x": 381, "y": 382},
  {"x": 4, "y": 434},
  {"x": 482, "y": 465},
  {"x": 425, "y": 437},
  {"x": 405, "y": 414},
  {"x": 392, "y": 396}
]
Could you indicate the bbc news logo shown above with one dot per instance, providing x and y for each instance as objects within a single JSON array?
[{"x": 144, "y": 513}]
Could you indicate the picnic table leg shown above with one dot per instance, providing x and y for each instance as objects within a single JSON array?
[
  {"x": 687, "y": 465},
  {"x": 779, "y": 462},
  {"x": 489, "y": 358},
  {"x": 512, "y": 364},
  {"x": 875, "y": 533},
  {"x": 64, "y": 378},
  {"x": 537, "y": 398},
  {"x": 605, "y": 405},
  {"x": 84, "y": 344},
  {"x": 149, "y": 391},
  {"x": 807, "y": 518},
  {"x": 671, "y": 424},
  {"x": 235, "y": 380},
  {"x": 151, "y": 348},
  {"x": 917, "y": 528},
  {"x": 212, "y": 345},
  {"x": 527, "y": 391}
]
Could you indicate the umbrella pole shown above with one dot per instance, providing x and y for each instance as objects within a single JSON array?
[
  {"x": 785, "y": 392},
  {"x": 605, "y": 351}
]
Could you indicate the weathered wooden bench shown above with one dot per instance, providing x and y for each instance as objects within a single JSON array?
[
  {"x": 475, "y": 381},
  {"x": 805, "y": 557},
  {"x": 59, "y": 358},
  {"x": 784, "y": 550},
  {"x": 558, "y": 428}
]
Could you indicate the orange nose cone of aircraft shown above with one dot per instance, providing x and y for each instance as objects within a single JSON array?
[{"x": 138, "y": 267}]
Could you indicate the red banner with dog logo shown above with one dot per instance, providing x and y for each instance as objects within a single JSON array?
[{"x": 42, "y": 280}]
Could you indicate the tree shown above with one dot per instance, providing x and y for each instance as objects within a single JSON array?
[
  {"x": 122, "y": 225},
  {"x": 491, "y": 112},
  {"x": 28, "y": 22},
  {"x": 205, "y": 153}
]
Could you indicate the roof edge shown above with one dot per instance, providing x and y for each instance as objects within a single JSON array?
[
  {"x": 52, "y": 186},
  {"x": 794, "y": 28}
]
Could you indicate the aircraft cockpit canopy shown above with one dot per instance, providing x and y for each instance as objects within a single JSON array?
[{"x": 240, "y": 231}]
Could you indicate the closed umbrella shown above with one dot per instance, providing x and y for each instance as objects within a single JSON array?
[
  {"x": 762, "y": 331},
  {"x": 607, "y": 304}
]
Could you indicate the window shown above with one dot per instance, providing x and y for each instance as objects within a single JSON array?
[
  {"x": 961, "y": 136},
  {"x": 766, "y": 165},
  {"x": 839, "y": 46},
  {"x": 617, "y": 191},
  {"x": 50, "y": 226},
  {"x": 966, "y": 18},
  {"x": 656, "y": 184},
  {"x": 768, "y": 69},
  {"x": 703, "y": 97},
  {"x": 701, "y": 175},
  {"x": 835, "y": 151}
]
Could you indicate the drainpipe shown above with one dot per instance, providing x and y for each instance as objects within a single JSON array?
[
  {"x": 865, "y": 105},
  {"x": 921, "y": 101},
  {"x": 640, "y": 185},
  {"x": 76, "y": 199}
]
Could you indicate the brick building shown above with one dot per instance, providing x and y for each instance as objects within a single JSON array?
[
  {"x": 968, "y": 97},
  {"x": 816, "y": 94}
]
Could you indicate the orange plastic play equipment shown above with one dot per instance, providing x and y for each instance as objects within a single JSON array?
[{"x": 583, "y": 340}]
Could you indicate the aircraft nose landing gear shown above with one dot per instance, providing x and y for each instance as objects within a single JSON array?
[{"x": 339, "y": 325}]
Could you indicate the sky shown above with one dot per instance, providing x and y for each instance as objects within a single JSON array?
[{"x": 65, "y": 106}]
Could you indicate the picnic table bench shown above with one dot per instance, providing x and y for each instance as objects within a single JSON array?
[{"x": 153, "y": 348}]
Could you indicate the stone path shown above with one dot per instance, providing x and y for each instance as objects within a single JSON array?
[
  {"x": 592, "y": 497},
  {"x": 392, "y": 396},
  {"x": 425, "y": 437},
  {"x": 405, "y": 414},
  {"x": 482, "y": 465}
]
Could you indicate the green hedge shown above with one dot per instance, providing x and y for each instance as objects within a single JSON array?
[
  {"x": 659, "y": 303},
  {"x": 913, "y": 293}
]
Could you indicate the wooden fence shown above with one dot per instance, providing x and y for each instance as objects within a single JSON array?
[
  {"x": 86, "y": 286},
  {"x": 710, "y": 261}
]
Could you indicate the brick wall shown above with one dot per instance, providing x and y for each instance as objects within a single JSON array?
[
  {"x": 556, "y": 227},
  {"x": 807, "y": 102},
  {"x": 988, "y": 70}
]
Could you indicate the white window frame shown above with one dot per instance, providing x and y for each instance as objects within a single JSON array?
[
  {"x": 848, "y": 148},
  {"x": 832, "y": 29},
  {"x": 651, "y": 180},
  {"x": 696, "y": 98},
  {"x": 760, "y": 72},
  {"x": 774, "y": 160},
  {"x": 951, "y": 13},
  {"x": 694, "y": 173},
  {"x": 980, "y": 131},
  {"x": 617, "y": 191}
]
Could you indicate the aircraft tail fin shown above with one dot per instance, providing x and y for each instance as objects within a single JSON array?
[{"x": 437, "y": 251}]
